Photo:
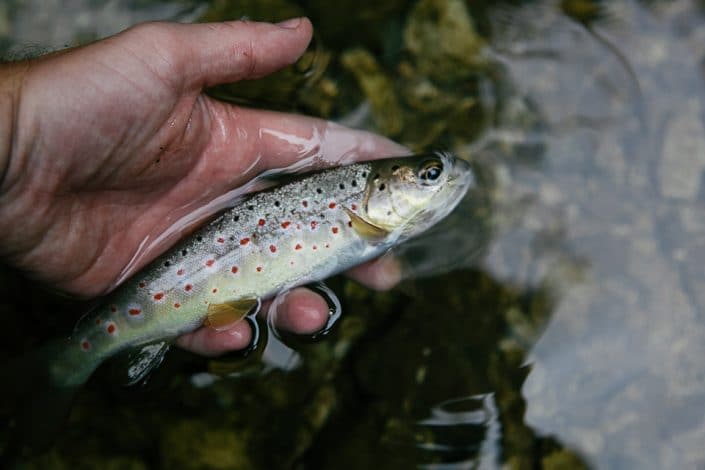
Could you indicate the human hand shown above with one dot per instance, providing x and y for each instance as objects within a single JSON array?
[{"x": 110, "y": 144}]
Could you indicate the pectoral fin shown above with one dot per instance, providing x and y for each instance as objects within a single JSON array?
[
  {"x": 365, "y": 229},
  {"x": 223, "y": 316}
]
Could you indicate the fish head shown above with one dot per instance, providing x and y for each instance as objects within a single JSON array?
[{"x": 405, "y": 196}]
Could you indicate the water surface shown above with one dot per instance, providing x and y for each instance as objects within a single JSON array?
[{"x": 556, "y": 319}]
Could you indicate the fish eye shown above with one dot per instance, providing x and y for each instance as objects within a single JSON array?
[{"x": 429, "y": 171}]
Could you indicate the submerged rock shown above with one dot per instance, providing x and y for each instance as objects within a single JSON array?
[
  {"x": 440, "y": 35},
  {"x": 378, "y": 88}
]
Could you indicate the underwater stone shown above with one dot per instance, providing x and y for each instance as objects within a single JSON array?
[
  {"x": 441, "y": 36},
  {"x": 192, "y": 444},
  {"x": 378, "y": 89},
  {"x": 683, "y": 154}
]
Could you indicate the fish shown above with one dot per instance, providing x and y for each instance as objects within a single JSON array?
[{"x": 314, "y": 226}]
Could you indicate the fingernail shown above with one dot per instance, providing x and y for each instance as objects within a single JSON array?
[{"x": 292, "y": 23}]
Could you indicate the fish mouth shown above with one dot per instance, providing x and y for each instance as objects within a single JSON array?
[{"x": 460, "y": 180}]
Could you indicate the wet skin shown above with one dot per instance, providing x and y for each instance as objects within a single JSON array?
[{"x": 105, "y": 146}]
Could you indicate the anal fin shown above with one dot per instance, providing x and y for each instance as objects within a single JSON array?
[{"x": 140, "y": 361}]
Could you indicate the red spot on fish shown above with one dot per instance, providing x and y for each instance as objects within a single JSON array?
[
  {"x": 142, "y": 285},
  {"x": 220, "y": 240},
  {"x": 331, "y": 205},
  {"x": 113, "y": 308},
  {"x": 313, "y": 225},
  {"x": 259, "y": 269},
  {"x": 298, "y": 246},
  {"x": 272, "y": 248},
  {"x": 244, "y": 241},
  {"x": 260, "y": 222},
  {"x": 98, "y": 321},
  {"x": 335, "y": 229},
  {"x": 159, "y": 296},
  {"x": 111, "y": 328},
  {"x": 286, "y": 224},
  {"x": 353, "y": 207},
  {"x": 210, "y": 262},
  {"x": 215, "y": 289},
  {"x": 234, "y": 269},
  {"x": 188, "y": 287},
  {"x": 85, "y": 345},
  {"x": 180, "y": 272},
  {"x": 314, "y": 247},
  {"x": 305, "y": 203},
  {"x": 177, "y": 305},
  {"x": 298, "y": 226},
  {"x": 134, "y": 311}
]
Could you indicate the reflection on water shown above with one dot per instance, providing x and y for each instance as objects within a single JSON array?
[
  {"x": 618, "y": 372},
  {"x": 29, "y": 27},
  {"x": 465, "y": 417},
  {"x": 572, "y": 321}
]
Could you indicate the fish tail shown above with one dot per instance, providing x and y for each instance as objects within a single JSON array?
[{"x": 36, "y": 395}]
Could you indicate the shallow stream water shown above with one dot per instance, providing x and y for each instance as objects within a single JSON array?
[{"x": 555, "y": 320}]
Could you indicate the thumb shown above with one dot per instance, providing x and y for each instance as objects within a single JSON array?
[{"x": 226, "y": 52}]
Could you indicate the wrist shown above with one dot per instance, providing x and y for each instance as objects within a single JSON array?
[{"x": 11, "y": 78}]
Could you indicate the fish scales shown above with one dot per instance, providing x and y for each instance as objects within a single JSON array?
[
  {"x": 306, "y": 230},
  {"x": 275, "y": 240}
]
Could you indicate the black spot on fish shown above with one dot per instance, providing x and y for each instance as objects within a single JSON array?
[
  {"x": 341, "y": 186},
  {"x": 364, "y": 174},
  {"x": 395, "y": 167},
  {"x": 232, "y": 238},
  {"x": 250, "y": 207},
  {"x": 167, "y": 264},
  {"x": 184, "y": 252},
  {"x": 319, "y": 191},
  {"x": 354, "y": 183},
  {"x": 199, "y": 238},
  {"x": 276, "y": 204},
  {"x": 382, "y": 187},
  {"x": 236, "y": 218}
]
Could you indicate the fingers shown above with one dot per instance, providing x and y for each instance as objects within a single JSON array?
[
  {"x": 379, "y": 274},
  {"x": 229, "y": 51},
  {"x": 286, "y": 141},
  {"x": 299, "y": 311},
  {"x": 208, "y": 342},
  {"x": 295, "y": 142}
]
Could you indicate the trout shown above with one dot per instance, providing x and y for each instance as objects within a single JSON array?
[{"x": 317, "y": 225}]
